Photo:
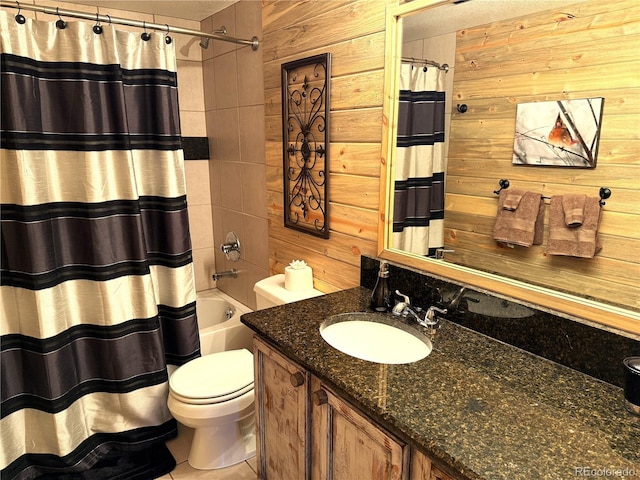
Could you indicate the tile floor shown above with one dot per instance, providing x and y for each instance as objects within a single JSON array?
[{"x": 179, "y": 448}]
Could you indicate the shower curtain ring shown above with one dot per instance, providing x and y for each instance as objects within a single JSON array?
[
  {"x": 97, "y": 28},
  {"x": 61, "y": 24},
  {"x": 145, "y": 36},
  {"x": 19, "y": 17},
  {"x": 167, "y": 38},
  {"x": 109, "y": 17}
]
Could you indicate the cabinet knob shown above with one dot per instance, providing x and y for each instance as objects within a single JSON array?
[
  {"x": 320, "y": 397},
  {"x": 297, "y": 379}
]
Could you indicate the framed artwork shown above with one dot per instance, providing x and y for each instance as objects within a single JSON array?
[
  {"x": 305, "y": 139},
  {"x": 563, "y": 133}
]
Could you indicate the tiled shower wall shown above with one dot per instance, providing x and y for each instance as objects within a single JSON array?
[{"x": 234, "y": 108}]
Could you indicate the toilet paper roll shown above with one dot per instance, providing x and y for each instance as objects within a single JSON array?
[{"x": 297, "y": 279}]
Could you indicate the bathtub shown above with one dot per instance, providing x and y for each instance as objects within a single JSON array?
[{"x": 219, "y": 322}]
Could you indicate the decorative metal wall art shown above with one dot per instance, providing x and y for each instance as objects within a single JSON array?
[{"x": 305, "y": 129}]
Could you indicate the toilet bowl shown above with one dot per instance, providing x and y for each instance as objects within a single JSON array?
[{"x": 214, "y": 395}]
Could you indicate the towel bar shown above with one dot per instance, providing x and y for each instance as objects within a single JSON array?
[{"x": 604, "y": 192}]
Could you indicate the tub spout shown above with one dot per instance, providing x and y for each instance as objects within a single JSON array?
[{"x": 233, "y": 273}]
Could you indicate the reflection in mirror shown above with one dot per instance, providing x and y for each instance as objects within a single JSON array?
[{"x": 499, "y": 57}]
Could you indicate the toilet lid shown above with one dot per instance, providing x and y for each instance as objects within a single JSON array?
[{"x": 224, "y": 374}]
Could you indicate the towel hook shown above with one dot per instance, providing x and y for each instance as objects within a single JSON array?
[
  {"x": 19, "y": 17},
  {"x": 604, "y": 194},
  {"x": 504, "y": 184}
]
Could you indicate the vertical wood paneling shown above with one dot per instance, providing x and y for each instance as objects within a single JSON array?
[
  {"x": 586, "y": 50},
  {"x": 353, "y": 32}
]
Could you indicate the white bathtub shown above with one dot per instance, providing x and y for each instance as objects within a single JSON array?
[{"x": 219, "y": 322}]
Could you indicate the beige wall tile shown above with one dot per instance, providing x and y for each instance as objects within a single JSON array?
[
  {"x": 226, "y": 135},
  {"x": 190, "y": 86},
  {"x": 250, "y": 77},
  {"x": 231, "y": 185},
  {"x": 197, "y": 180},
  {"x": 209, "y": 78},
  {"x": 256, "y": 249},
  {"x": 204, "y": 267},
  {"x": 254, "y": 189},
  {"x": 226, "y": 80},
  {"x": 193, "y": 124},
  {"x": 214, "y": 182},
  {"x": 201, "y": 226},
  {"x": 248, "y": 19},
  {"x": 224, "y": 18},
  {"x": 252, "y": 145},
  {"x": 253, "y": 275}
]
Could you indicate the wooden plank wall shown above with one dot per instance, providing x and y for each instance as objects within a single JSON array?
[
  {"x": 353, "y": 32},
  {"x": 589, "y": 50},
  {"x": 592, "y": 52}
]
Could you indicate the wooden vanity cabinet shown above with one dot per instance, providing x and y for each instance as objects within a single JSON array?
[
  {"x": 304, "y": 431},
  {"x": 282, "y": 415},
  {"x": 422, "y": 468},
  {"x": 347, "y": 446}
]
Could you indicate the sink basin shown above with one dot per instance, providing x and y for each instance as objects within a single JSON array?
[{"x": 375, "y": 337}]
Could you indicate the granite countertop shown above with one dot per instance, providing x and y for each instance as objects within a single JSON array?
[{"x": 480, "y": 408}]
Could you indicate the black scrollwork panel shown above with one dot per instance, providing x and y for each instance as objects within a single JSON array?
[{"x": 305, "y": 118}]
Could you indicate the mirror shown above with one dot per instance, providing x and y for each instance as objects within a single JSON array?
[{"x": 500, "y": 57}]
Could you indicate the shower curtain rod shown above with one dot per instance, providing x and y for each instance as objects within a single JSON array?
[
  {"x": 217, "y": 35},
  {"x": 423, "y": 61}
]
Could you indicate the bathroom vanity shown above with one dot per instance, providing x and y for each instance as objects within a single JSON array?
[{"x": 475, "y": 408}]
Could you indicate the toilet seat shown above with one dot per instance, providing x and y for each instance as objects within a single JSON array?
[{"x": 215, "y": 378}]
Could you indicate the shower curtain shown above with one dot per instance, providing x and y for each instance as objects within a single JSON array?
[
  {"x": 418, "y": 212},
  {"x": 97, "y": 292}
]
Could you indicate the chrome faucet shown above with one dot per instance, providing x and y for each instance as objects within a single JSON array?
[
  {"x": 459, "y": 296},
  {"x": 403, "y": 308}
]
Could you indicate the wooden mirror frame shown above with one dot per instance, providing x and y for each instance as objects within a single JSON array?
[
  {"x": 582, "y": 309},
  {"x": 305, "y": 140}
]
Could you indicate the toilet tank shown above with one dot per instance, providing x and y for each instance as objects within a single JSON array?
[{"x": 270, "y": 292}]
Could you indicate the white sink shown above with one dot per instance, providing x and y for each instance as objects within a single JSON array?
[{"x": 375, "y": 337}]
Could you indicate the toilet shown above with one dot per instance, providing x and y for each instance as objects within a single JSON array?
[{"x": 214, "y": 394}]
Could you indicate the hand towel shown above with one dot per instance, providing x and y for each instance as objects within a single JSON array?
[
  {"x": 523, "y": 225},
  {"x": 512, "y": 200},
  {"x": 573, "y": 208},
  {"x": 579, "y": 241}
]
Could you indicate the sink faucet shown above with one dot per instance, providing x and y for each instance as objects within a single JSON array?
[
  {"x": 403, "y": 308},
  {"x": 458, "y": 297}
]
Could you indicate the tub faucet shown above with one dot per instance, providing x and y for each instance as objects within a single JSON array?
[{"x": 233, "y": 273}]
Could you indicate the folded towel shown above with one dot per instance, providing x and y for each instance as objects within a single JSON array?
[
  {"x": 512, "y": 200},
  {"x": 523, "y": 225},
  {"x": 573, "y": 208},
  {"x": 580, "y": 241}
]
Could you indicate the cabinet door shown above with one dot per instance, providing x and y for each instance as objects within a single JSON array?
[
  {"x": 347, "y": 446},
  {"x": 282, "y": 412},
  {"x": 422, "y": 468}
]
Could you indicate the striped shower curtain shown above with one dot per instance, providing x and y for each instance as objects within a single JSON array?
[
  {"x": 418, "y": 212},
  {"x": 97, "y": 292}
]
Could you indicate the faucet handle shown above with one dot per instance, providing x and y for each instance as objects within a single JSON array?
[
  {"x": 405, "y": 298},
  {"x": 430, "y": 317}
]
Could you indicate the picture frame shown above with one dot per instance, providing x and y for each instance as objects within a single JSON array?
[{"x": 562, "y": 133}]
